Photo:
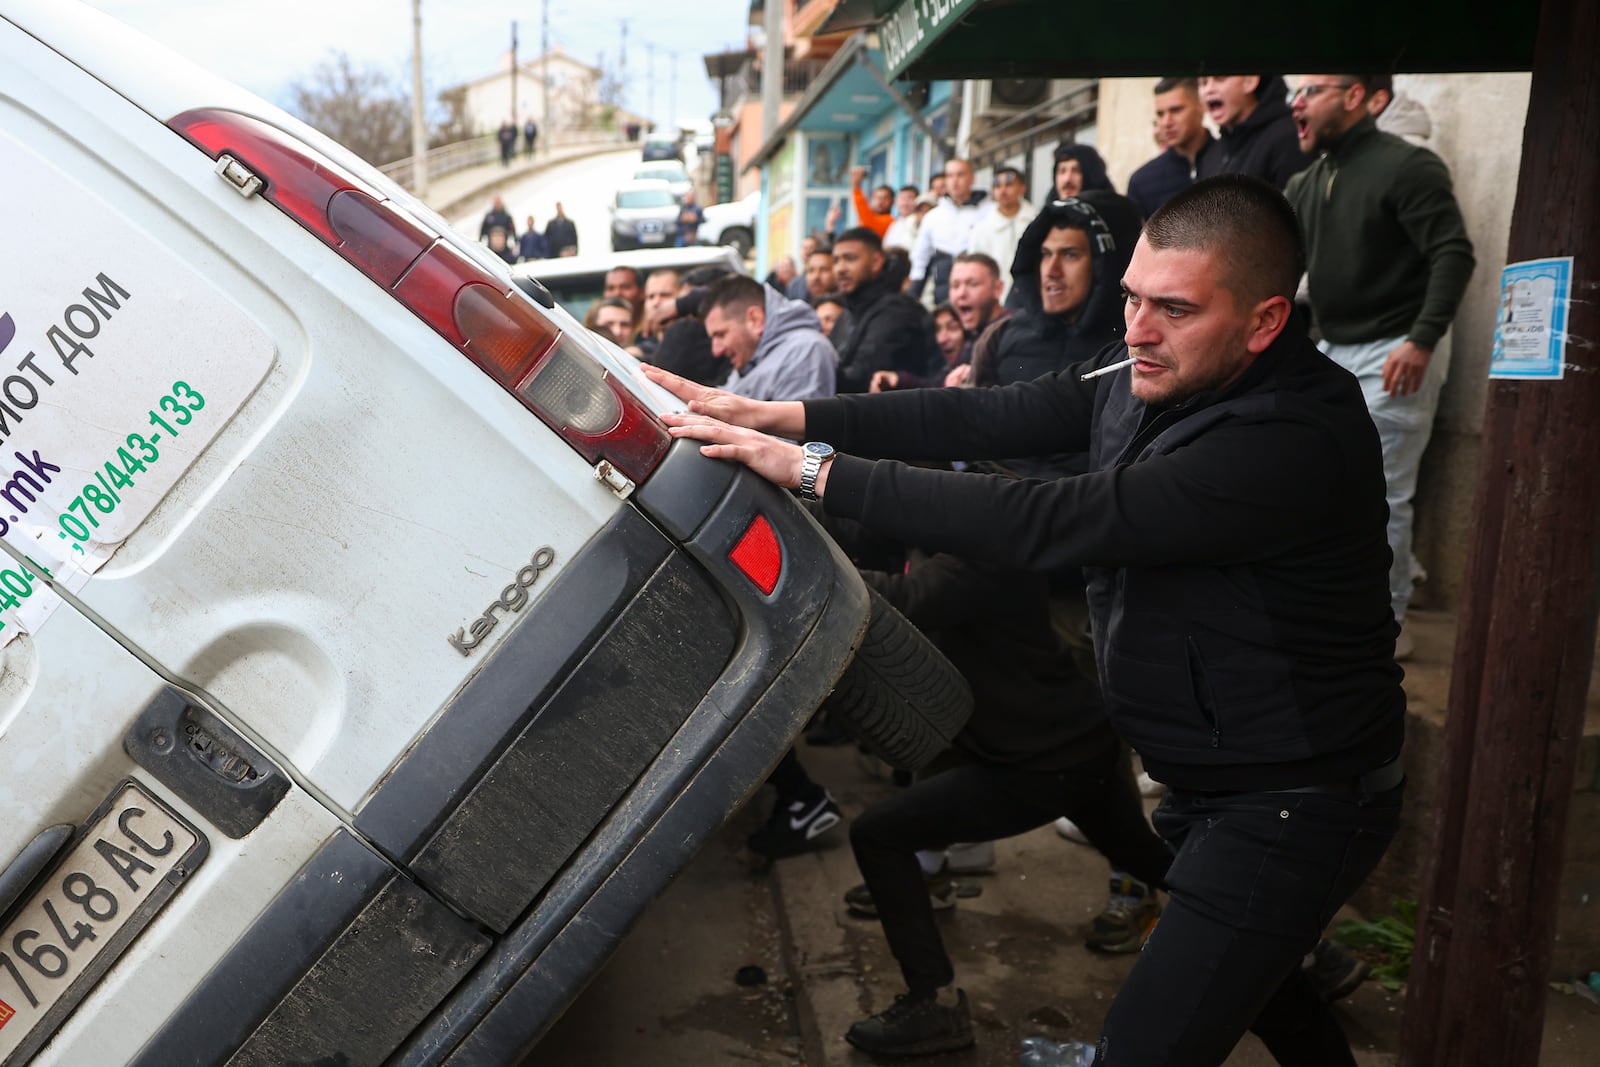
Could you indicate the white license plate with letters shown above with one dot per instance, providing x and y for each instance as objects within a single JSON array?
[{"x": 127, "y": 863}]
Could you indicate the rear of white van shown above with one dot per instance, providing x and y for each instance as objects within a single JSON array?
[{"x": 370, "y": 656}]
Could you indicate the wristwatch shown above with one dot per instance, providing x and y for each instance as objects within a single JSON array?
[{"x": 816, "y": 454}]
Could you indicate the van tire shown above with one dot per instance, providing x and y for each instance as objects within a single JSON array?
[{"x": 900, "y": 697}]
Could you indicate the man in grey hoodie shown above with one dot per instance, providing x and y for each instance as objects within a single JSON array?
[{"x": 775, "y": 344}]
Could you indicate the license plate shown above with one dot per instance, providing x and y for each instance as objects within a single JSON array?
[{"x": 132, "y": 856}]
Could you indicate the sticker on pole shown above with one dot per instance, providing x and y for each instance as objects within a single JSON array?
[
  {"x": 119, "y": 364},
  {"x": 1530, "y": 328}
]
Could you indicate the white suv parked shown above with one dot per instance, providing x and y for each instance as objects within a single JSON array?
[{"x": 369, "y": 654}]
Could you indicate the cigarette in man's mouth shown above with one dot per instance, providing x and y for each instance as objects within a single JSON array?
[{"x": 1130, "y": 361}]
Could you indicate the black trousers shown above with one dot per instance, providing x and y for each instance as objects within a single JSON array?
[
  {"x": 980, "y": 802},
  {"x": 1256, "y": 879}
]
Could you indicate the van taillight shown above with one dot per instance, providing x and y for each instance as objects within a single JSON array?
[{"x": 467, "y": 305}]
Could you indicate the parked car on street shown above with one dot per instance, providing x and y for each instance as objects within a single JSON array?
[
  {"x": 578, "y": 281},
  {"x": 671, "y": 172},
  {"x": 660, "y": 147},
  {"x": 370, "y": 656},
  {"x": 644, "y": 214},
  {"x": 732, "y": 224}
]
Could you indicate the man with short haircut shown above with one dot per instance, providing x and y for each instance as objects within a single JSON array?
[
  {"x": 819, "y": 275},
  {"x": 975, "y": 300},
  {"x": 883, "y": 328},
  {"x": 624, "y": 283},
  {"x": 497, "y": 218},
  {"x": 946, "y": 231},
  {"x": 561, "y": 233},
  {"x": 1258, "y": 135},
  {"x": 531, "y": 245},
  {"x": 1388, "y": 259},
  {"x": 1231, "y": 527},
  {"x": 660, "y": 299},
  {"x": 902, "y": 233},
  {"x": 774, "y": 344},
  {"x": 997, "y": 232},
  {"x": 1181, "y": 130},
  {"x": 873, "y": 211},
  {"x": 613, "y": 317}
]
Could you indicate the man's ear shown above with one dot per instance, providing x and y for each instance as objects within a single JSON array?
[
  {"x": 1267, "y": 320},
  {"x": 1251, "y": 83},
  {"x": 755, "y": 317}
]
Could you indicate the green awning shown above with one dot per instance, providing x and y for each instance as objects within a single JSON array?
[{"x": 937, "y": 39}]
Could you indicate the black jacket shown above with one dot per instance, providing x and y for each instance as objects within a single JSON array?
[
  {"x": 1234, "y": 548},
  {"x": 1165, "y": 176},
  {"x": 882, "y": 329},
  {"x": 1032, "y": 707},
  {"x": 559, "y": 233},
  {"x": 685, "y": 350},
  {"x": 1264, "y": 145}
]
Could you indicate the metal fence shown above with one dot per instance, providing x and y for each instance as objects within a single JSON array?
[{"x": 447, "y": 159}]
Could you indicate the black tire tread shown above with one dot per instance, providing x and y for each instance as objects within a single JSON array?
[{"x": 900, "y": 696}]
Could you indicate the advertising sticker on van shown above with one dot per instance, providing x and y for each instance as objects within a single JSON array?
[{"x": 119, "y": 364}]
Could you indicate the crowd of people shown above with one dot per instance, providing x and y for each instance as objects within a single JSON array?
[
  {"x": 1124, "y": 393},
  {"x": 558, "y": 238}
]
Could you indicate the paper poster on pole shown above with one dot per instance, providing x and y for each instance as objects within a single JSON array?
[{"x": 1530, "y": 328}]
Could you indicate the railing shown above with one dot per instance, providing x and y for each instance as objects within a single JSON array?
[
  {"x": 1024, "y": 131},
  {"x": 447, "y": 159}
]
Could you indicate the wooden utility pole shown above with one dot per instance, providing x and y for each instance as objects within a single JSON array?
[
  {"x": 1525, "y": 644},
  {"x": 513, "y": 72}
]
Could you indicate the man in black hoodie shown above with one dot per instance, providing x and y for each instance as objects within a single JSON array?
[
  {"x": 882, "y": 328},
  {"x": 1258, "y": 133},
  {"x": 1066, "y": 281},
  {"x": 1232, "y": 529}
]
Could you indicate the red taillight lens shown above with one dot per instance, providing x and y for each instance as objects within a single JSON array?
[
  {"x": 758, "y": 555},
  {"x": 468, "y": 306}
]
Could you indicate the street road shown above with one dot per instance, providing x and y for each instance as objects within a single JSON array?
[
  {"x": 669, "y": 997},
  {"x": 584, "y": 187}
]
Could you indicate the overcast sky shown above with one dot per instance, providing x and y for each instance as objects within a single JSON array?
[{"x": 265, "y": 46}]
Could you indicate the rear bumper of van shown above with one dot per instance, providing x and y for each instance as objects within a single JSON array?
[
  {"x": 795, "y": 645},
  {"x": 644, "y": 699},
  {"x": 720, "y": 758}
]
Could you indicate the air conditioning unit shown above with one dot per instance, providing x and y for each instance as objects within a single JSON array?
[{"x": 1014, "y": 94}]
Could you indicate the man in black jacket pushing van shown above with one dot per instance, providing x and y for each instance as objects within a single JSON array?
[{"x": 1232, "y": 531}]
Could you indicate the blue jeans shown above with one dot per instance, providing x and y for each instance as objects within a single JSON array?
[
  {"x": 1256, "y": 879},
  {"x": 1404, "y": 426}
]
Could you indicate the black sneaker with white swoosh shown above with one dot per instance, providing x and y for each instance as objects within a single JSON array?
[{"x": 794, "y": 825}]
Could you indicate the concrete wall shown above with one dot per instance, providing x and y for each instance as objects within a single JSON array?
[{"x": 1477, "y": 129}]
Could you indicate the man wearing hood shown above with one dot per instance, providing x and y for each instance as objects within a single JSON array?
[
  {"x": 1065, "y": 279},
  {"x": 775, "y": 344},
  {"x": 1258, "y": 133},
  {"x": 883, "y": 328},
  {"x": 947, "y": 231}
]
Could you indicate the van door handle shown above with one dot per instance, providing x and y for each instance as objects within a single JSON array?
[{"x": 33, "y": 859}]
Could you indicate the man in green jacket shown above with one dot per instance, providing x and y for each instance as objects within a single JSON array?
[{"x": 1387, "y": 259}]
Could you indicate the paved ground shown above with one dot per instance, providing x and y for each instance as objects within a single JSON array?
[{"x": 1017, "y": 953}]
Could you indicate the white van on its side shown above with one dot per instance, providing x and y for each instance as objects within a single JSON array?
[{"x": 369, "y": 654}]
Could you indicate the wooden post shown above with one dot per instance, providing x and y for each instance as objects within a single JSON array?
[{"x": 1527, "y": 629}]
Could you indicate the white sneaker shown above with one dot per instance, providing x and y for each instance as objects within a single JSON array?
[
  {"x": 1149, "y": 787},
  {"x": 1069, "y": 830}
]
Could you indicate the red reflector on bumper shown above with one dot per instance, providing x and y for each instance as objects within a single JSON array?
[{"x": 759, "y": 555}]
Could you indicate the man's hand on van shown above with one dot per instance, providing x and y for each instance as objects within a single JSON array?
[
  {"x": 773, "y": 458},
  {"x": 784, "y": 418}
]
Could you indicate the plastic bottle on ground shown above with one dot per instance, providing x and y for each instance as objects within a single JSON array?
[{"x": 1043, "y": 1052}]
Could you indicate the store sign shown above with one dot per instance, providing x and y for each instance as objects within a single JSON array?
[{"x": 913, "y": 26}]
